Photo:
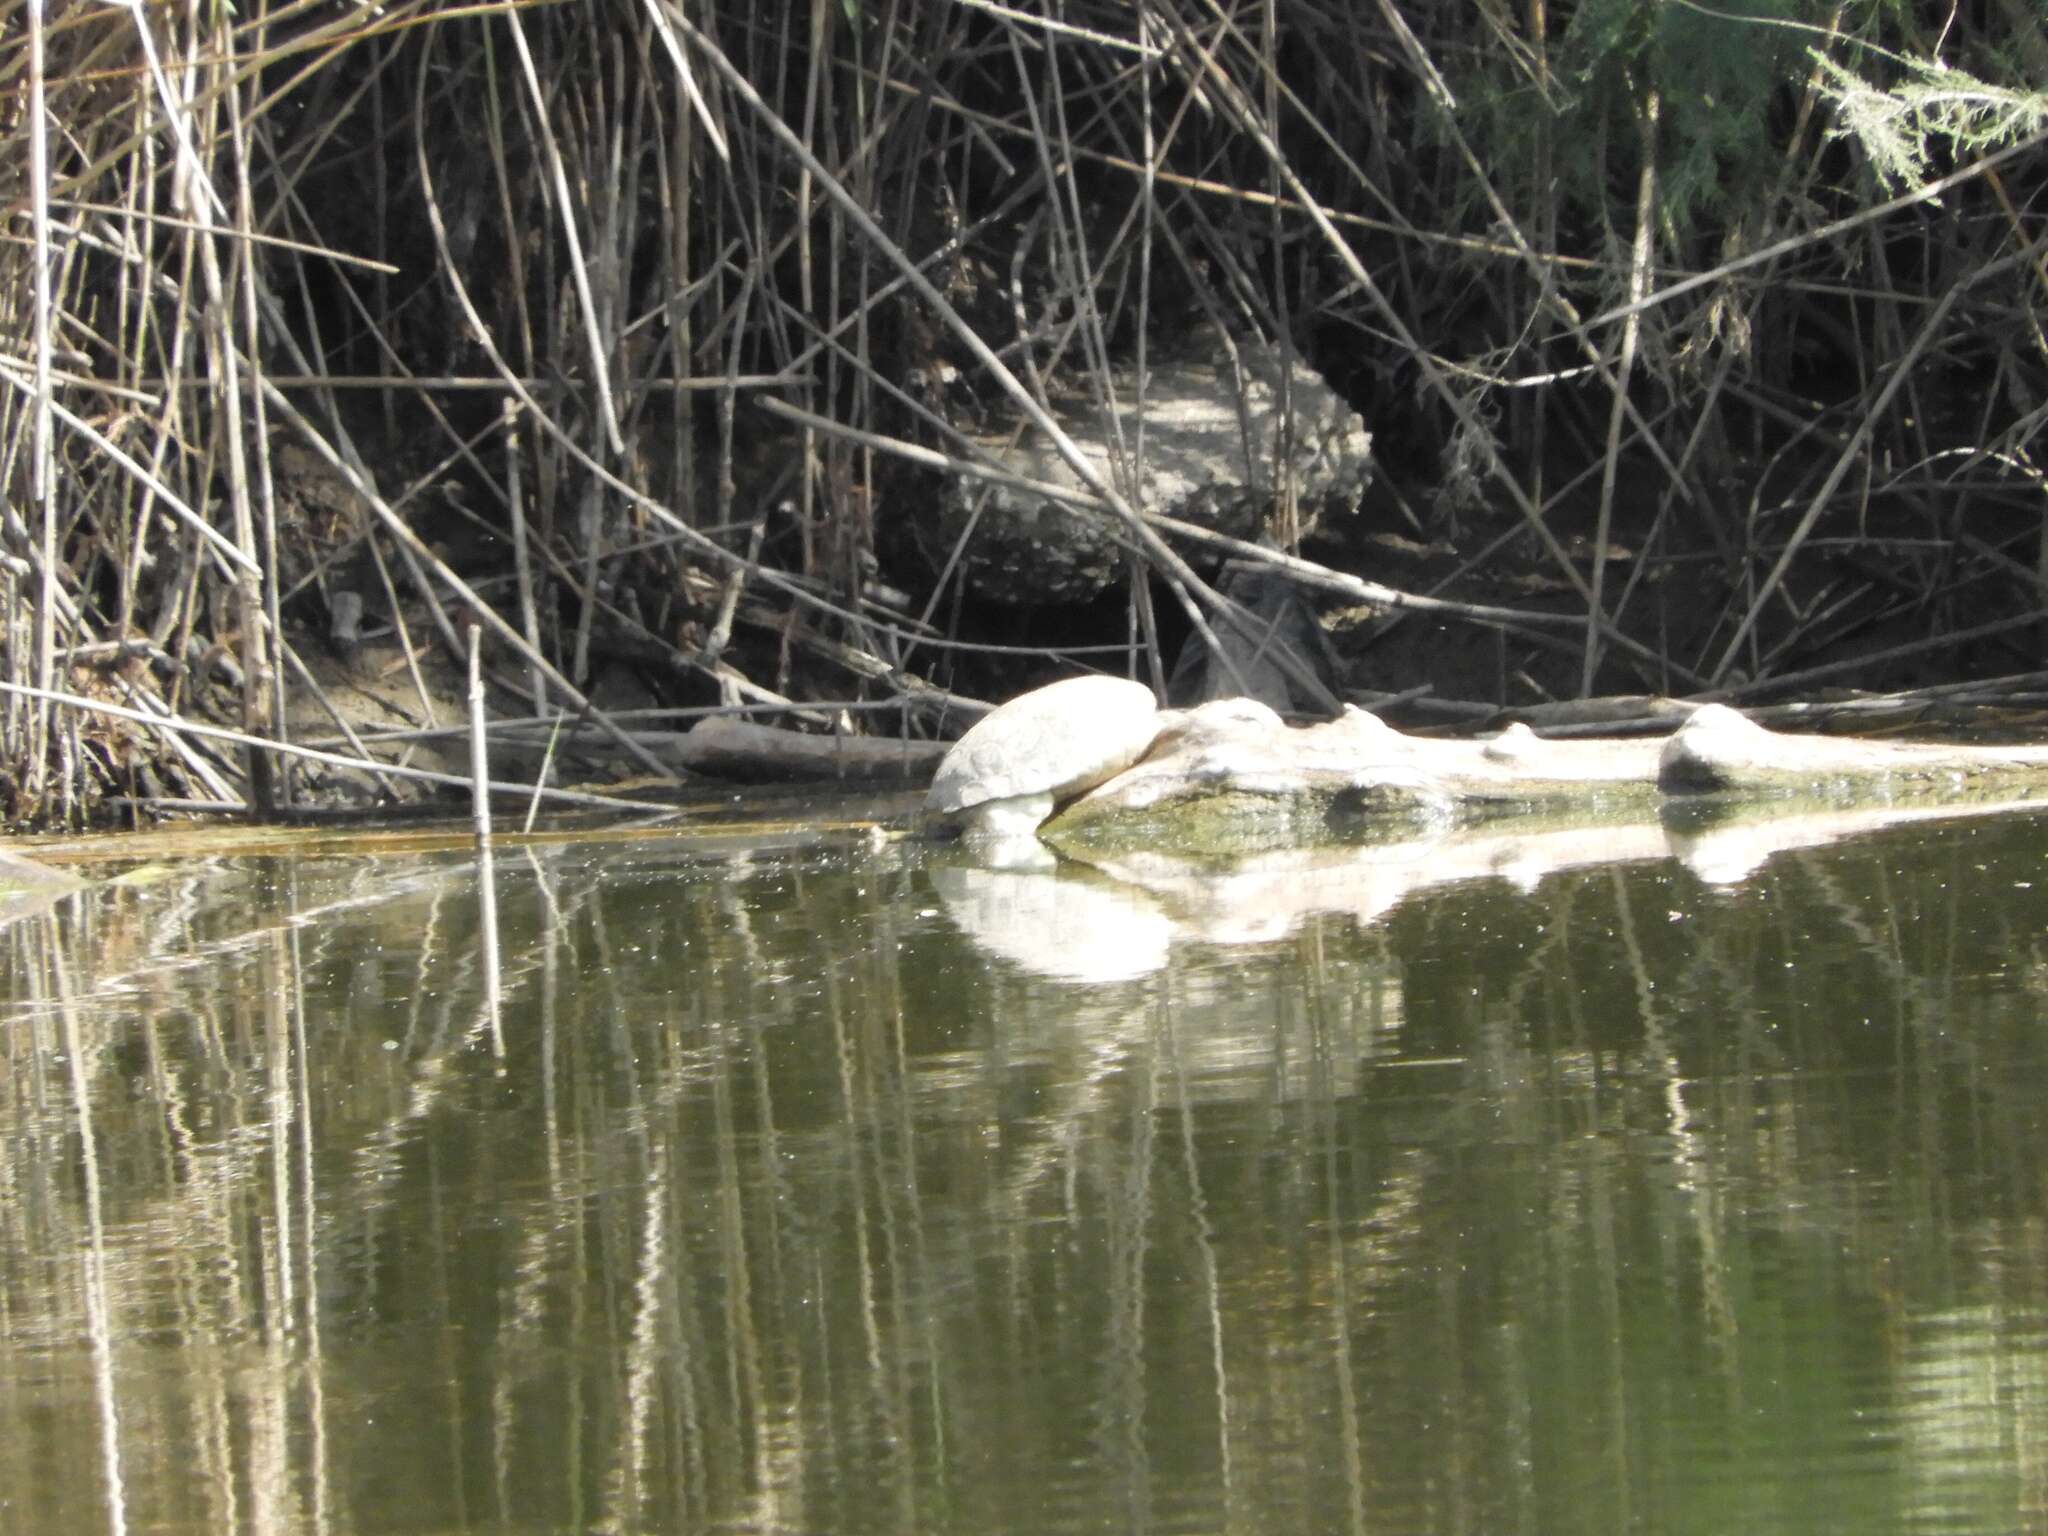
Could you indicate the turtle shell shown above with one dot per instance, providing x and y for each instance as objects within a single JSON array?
[{"x": 1060, "y": 740}]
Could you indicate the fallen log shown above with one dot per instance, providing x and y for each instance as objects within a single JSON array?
[
  {"x": 724, "y": 748},
  {"x": 1221, "y": 779}
]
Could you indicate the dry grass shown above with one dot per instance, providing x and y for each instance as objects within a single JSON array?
[{"x": 478, "y": 307}]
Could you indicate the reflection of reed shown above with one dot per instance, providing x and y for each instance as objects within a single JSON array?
[
  {"x": 787, "y": 1213},
  {"x": 99, "y": 1328}
]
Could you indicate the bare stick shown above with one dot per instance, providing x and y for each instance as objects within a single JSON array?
[
  {"x": 729, "y": 600},
  {"x": 42, "y": 480},
  {"x": 479, "y": 750},
  {"x": 578, "y": 274},
  {"x": 522, "y": 562},
  {"x": 546, "y": 769},
  {"x": 403, "y": 630},
  {"x": 265, "y": 674}
]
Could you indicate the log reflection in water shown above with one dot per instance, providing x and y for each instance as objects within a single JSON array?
[{"x": 789, "y": 1208}]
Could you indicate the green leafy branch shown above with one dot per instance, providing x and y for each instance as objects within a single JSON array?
[{"x": 1896, "y": 124}]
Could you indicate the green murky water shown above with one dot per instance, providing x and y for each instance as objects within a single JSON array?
[{"x": 839, "y": 1190}]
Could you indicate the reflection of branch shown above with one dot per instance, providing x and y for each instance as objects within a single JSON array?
[
  {"x": 312, "y": 1350},
  {"x": 1696, "y": 1176},
  {"x": 1078, "y": 1096},
  {"x": 1127, "y": 1213},
  {"x": 1205, "y": 1246},
  {"x": 98, "y": 1323},
  {"x": 626, "y": 1482}
]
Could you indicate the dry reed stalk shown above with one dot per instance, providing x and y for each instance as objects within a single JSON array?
[
  {"x": 479, "y": 748},
  {"x": 1624, "y": 374},
  {"x": 522, "y": 560},
  {"x": 42, "y": 477}
]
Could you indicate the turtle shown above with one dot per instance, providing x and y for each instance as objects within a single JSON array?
[{"x": 1024, "y": 760}]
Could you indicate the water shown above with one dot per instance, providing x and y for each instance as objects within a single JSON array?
[{"x": 825, "y": 1189}]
